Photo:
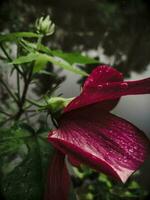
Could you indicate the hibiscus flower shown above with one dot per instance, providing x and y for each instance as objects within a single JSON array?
[{"x": 88, "y": 133}]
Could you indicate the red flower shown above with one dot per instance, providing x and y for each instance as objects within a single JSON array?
[{"x": 88, "y": 133}]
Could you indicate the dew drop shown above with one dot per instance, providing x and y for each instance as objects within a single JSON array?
[
  {"x": 124, "y": 85},
  {"x": 131, "y": 150},
  {"x": 135, "y": 147},
  {"x": 100, "y": 86},
  {"x": 141, "y": 154},
  {"x": 91, "y": 80},
  {"x": 77, "y": 102},
  {"x": 107, "y": 70}
]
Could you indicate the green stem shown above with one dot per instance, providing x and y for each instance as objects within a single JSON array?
[
  {"x": 10, "y": 59},
  {"x": 39, "y": 41},
  {"x": 24, "y": 93},
  {"x": 2, "y": 123},
  {"x": 34, "y": 103},
  {"x": 5, "y": 113},
  {"x": 9, "y": 91},
  {"x": 54, "y": 121},
  {"x": 18, "y": 85}
]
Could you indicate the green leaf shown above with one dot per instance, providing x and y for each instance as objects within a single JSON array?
[
  {"x": 64, "y": 64},
  {"x": 26, "y": 179},
  {"x": 73, "y": 58},
  {"x": 43, "y": 58},
  {"x": 45, "y": 49},
  {"x": 40, "y": 64},
  {"x": 17, "y": 35},
  {"x": 11, "y": 140},
  {"x": 25, "y": 59},
  {"x": 34, "y": 46},
  {"x": 103, "y": 178}
]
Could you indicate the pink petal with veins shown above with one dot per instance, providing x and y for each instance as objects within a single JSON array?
[
  {"x": 108, "y": 90},
  {"x": 101, "y": 140},
  {"x": 58, "y": 181},
  {"x": 101, "y": 75}
]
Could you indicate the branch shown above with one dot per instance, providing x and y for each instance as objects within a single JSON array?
[
  {"x": 27, "y": 81},
  {"x": 2, "y": 123},
  {"x": 10, "y": 59},
  {"x": 5, "y": 113},
  {"x": 34, "y": 103},
  {"x": 9, "y": 91}
]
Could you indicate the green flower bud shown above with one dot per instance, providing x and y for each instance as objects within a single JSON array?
[
  {"x": 45, "y": 26},
  {"x": 57, "y": 104}
]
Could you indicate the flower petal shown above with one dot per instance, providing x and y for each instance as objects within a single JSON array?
[
  {"x": 58, "y": 184},
  {"x": 102, "y": 141},
  {"x": 108, "y": 92},
  {"x": 73, "y": 161},
  {"x": 100, "y": 75},
  {"x": 103, "y": 74}
]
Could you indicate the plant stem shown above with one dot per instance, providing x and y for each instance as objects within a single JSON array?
[
  {"x": 5, "y": 113},
  {"x": 9, "y": 91},
  {"x": 34, "y": 103},
  {"x": 18, "y": 77},
  {"x": 39, "y": 41},
  {"x": 2, "y": 123},
  {"x": 23, "y": 98},
  {"x": 18, "y": 85},
  {"x": 10, "y": 59},
  {"x": 54, "y": 121}
]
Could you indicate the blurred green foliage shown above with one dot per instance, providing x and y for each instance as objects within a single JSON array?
[
  {"x": 96, "y": 186},
  {"x": 24, "y": 159}
]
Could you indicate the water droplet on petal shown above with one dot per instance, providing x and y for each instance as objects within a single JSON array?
[
  {"x": 131, "y": 150},
  {"x": 124, "y": 85},
  {"x": 100, "y": 86},
  {"x": 77, "y": 102},
  {"x": 91, "y": 80}
]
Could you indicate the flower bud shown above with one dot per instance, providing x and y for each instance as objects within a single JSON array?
[
  {"x": 57, "y": 104},
  {"x": 45, "y": 26}
]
